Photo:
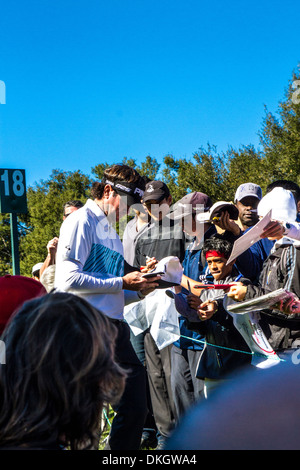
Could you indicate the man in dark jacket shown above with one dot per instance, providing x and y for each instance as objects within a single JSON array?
[
  {"x": 162, "y": 238},
  {"x": 280, "y": 270},
  {"x": 246, "y": 199}
]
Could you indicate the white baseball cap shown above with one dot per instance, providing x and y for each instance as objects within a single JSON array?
[{"x": 248, "y": 189}]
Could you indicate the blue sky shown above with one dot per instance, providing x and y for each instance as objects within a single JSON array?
[{"x": 94, "y": 81}]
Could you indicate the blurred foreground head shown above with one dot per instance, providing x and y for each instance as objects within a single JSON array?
[
  {"x": 59, "y": 371},
  {"x": 258, "y": 410}
]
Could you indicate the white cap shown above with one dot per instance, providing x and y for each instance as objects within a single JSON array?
[
  {"x": 282, "y": 203},
  {"x": 216, "y": 210},
  {"x": 172, "y": 269},
  {"x": 248, "y": 189},
  {"x": 36, "y": 267}
]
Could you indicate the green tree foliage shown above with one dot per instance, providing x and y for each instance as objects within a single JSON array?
[
  {"x": 206, "y": 173},
  {"x": 45, "y": 211},
  {"x": 5, "y": 244},
  {"x": 150, "y": 168},
  {"x": 244, "y": 165}
]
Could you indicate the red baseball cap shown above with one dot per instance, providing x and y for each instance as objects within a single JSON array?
[{"x": 14, "y": 291}]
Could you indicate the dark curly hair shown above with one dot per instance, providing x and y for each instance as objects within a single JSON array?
[{"x": 59, "y": 371}]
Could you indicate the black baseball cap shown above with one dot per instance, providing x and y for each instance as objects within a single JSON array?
[{"x": 155, "y": 190}]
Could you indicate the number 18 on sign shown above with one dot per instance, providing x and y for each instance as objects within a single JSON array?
[{"x": 13, "y": 201}]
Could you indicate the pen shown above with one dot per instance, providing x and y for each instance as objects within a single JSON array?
[
  {"x": 189, "y": 286},
  {"x": 238, "y": 278}
]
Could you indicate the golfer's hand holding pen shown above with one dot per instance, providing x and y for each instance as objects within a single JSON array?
[{"x": 150, "y": 264}]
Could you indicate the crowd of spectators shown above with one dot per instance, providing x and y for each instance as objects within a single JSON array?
[{"x": 71, "y": 348}]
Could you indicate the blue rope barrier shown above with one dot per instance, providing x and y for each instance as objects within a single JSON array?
[{"x": 230, "y": 349}]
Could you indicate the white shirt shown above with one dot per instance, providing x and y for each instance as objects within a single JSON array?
[
  {"x": 293, "y": 231},
  {"x": 90, "y": 261}
]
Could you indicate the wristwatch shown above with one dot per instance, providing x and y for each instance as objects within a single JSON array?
[{"x": 286, "y": 227}]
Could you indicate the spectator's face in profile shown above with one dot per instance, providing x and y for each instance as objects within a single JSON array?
[
  {"x": 218, "y": 268},
  {"x": 246, "y": 206}
]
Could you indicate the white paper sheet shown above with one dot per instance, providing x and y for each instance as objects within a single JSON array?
[
  {"x": 247, "y": 324},
  {"x": 259, "y": 303},
  {"x": 250, "y": 237}
]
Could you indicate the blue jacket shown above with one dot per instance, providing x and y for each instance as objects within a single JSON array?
[
  {"x": 194, "y": 269},
  {"x": 251, "y": 261}
]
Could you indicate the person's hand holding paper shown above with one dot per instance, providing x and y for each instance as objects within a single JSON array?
[
  {"x": 290, "y": 305},
  {"x": 250, "y": 237},
  {"x": 273, "y": 231}
]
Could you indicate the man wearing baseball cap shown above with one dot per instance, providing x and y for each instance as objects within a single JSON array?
[
  {"x": 156, "y": 190},
  {"x": 163, "y": 237},
  {"x": 246, "y": 198},
  {"x": 185, "y": 353},
  {"x": 191, "y": 204},
  {"x": 157, "y": 199},
  {"x": 35, "y": 272}
]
